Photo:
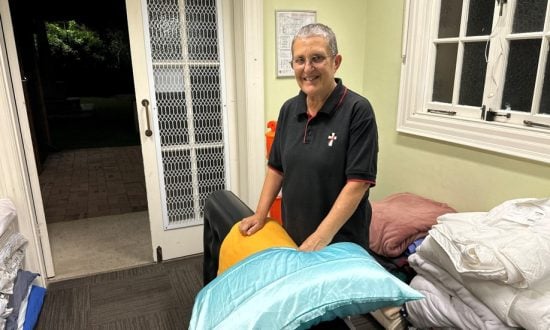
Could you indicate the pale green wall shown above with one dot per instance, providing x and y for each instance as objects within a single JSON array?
[{"x": 466, "y": 178}]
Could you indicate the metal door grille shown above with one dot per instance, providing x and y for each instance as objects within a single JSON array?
[{"x": 187, "y": 69}]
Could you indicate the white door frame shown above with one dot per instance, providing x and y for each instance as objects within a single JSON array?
[
  {"x": 20, "y": 173},
  {"x": 249, "y": 55},
  {"x": 20, "y": 166}
]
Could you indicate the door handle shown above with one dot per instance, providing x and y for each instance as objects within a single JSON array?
[{"x": 145, "y": 103}]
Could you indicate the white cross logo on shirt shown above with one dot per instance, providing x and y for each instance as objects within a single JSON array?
[{"x": 331, "y": 139}]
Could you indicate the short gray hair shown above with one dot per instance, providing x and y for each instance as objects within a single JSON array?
[{"x": 318, "y": 30}]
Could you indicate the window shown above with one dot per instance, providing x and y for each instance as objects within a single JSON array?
[{"x": 477, "y": 73}]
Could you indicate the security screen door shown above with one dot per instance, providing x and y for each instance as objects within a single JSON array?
[{"x": 178, "y": 72}]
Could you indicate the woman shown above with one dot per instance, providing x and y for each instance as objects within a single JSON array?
[{"x": 324, "y": 155}]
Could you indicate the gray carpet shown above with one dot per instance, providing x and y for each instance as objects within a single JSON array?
[{"x": 155, "y": 296}]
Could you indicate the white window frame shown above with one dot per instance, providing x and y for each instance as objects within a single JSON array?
[{"x": 531, "y": 143}]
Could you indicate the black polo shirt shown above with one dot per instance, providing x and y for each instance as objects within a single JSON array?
[{"x": 318, "y": 156}]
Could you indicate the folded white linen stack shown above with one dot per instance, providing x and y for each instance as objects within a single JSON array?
[
  {"x": 510, "y": 243},
  {"x": 12, "y": 245},
  {"x": 499, "y": 258}
]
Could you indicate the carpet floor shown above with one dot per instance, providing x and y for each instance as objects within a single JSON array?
[{"x": 156, "y": 296}]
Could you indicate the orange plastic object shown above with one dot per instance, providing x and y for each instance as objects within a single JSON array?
[
  {"x": 269, "y": 136},
  {"x": 275, "y": 210}
]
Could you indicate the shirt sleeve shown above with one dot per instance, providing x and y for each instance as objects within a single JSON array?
[
  {"x": 275, "y": 159},
  {"x": 362, "y": 153}
]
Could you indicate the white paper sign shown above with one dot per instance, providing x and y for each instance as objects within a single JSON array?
[{"x": 287, "y": 24}]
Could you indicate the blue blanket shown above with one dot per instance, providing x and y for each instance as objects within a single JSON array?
[{"x": 282, "y": 288}]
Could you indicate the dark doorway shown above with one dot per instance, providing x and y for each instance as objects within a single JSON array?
[{"x": 75, "y": 62}]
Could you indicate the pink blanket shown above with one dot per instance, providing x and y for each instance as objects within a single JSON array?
[{"x": 400, "y": 219}]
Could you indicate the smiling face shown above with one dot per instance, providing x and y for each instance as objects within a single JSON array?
[{"x": 316, "y": 75}]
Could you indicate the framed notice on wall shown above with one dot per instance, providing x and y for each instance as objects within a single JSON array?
[{"x": 287, "y": 24}]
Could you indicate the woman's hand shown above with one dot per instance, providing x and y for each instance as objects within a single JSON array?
[
  {"x": 251, "y": 224},
  {"x": 341, "y": 211},
  {"x": 314, "y": 242}
]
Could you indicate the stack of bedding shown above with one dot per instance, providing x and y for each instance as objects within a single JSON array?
[
  {"x": 20, "y": 300},
  {"x": 485, "y": 270},
  {"x": 399, "y": 224}
]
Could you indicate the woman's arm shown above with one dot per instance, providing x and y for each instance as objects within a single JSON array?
[
  {"x": 343, "y": 208},
  {"x": 272, "y": 185}
]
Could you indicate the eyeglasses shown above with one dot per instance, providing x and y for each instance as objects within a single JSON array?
[{"x": 315, "y": 60}]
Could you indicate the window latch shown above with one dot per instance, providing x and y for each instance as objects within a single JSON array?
[
  {"x": 490, "y": 115},
  {"x": 535, "y": 124},
  {"x": 442, "y": 112}
]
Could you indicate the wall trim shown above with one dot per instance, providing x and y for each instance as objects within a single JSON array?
[{"x": 250, "y": 97}]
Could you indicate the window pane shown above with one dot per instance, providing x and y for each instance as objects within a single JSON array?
[
  {"x": 165, "y": 31},
  {"x": 207, "y": 111},
  {"x": 545, "y": 98},
  {"x": 202, "y": 30},
  {"x": 480, "y": 17},
  {"x": 473, "y": 74},
  {"x": 172, "y": 118},
  {"x": 449, "y": 18},
  {"x": 178, "y": 182},
  {"x": 444, "y": 75},
  {"x": 520, "y": 74},
  {"x": 529, "y": 16}
]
